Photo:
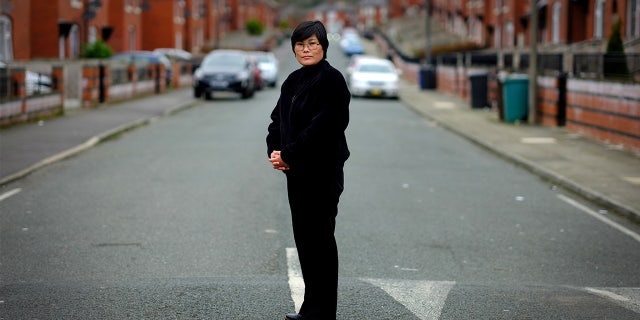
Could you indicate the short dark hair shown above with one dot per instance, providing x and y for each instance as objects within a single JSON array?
[{"x": 307, "y": 29}]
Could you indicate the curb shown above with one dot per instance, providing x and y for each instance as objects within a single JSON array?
[{"x": 95, "y": 140}]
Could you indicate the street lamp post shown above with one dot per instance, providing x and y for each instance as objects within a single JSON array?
[
  {"x": 427, "y": 52},
  {"x": 533, "y": 63},
  {"x": 427, "y": 71}
]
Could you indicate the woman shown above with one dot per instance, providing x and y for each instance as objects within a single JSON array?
[{"x": 306, "y": 140}]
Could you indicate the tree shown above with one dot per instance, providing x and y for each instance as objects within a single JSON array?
[{"x": 615, "y": 61}]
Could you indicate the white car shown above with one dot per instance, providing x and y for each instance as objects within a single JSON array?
[
  {"x": 176, "y": 54},
  {"x": 373, "y": 77},
  {"x": 268, "y": 65},
  {"x": 35, "y": 83}
]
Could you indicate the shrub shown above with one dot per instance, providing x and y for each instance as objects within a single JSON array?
[
  {"x": 254, "y": 27},
  {"x": 97, "y": 50},
  {"x": 615, "y": 61}
]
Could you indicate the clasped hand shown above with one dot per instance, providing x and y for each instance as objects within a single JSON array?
[{"x": 277, "y": 162}]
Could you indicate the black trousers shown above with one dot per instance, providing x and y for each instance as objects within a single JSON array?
[{"x": 313, "y": 198}]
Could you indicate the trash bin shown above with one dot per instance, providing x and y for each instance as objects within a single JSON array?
[
  {"x": 516, "y": 97},
  {"x": 479, "y": 89},
  {"x": 428, "y": 77}
]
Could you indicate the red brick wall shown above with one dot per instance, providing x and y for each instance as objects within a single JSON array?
[
  {"x": 609, "y": 112},
  {"x": 44, "y": 27},
  {"x": 159, "y": 27},
  {"x": 122, "y": 21},
  {"x": 20, "y": 21},
  {"x": 548, "y": 101}
]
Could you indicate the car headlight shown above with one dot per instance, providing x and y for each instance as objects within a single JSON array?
[
  {"x": 243, "y": 75},
  {"x": 198, "y": 74}
]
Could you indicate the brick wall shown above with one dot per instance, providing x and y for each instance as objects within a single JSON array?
[
  {"x": 27, "y": 108},
  {"x": 606, "y": 111}
]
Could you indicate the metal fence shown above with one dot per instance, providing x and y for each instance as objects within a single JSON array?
[
  {"x": 607, "y": 66},
  {"x": 623, "y": 67},
  {"x": 6, "y": 88},
  {"x": 119, "y": 75}
]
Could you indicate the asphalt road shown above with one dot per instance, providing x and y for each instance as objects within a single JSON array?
[{"x": 185, "y": 219}]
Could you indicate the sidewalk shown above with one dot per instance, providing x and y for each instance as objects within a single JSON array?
[
  {"x": 603, "y": 174},
  {"x": 28, "y": 147}
]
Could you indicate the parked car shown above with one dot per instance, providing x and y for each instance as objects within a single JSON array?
[
  {"x": 180, "y": 56},
  {"x": 176, "y": 54},
  {"x": 35, "y": 83},
  {"x": 225, "y": 70},
  {"x": 268, "y": 65},
  {"x": 352, "y": 63},
  {"x": 142, "y": 59},
  {"x": 352, "y": 45},
  {"x": 374, "y": 77}
]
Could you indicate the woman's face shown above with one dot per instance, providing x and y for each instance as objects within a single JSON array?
[{"x": 309, "y": 51}]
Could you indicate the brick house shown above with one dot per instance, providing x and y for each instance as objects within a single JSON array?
[
  {"x": 334, "y": 15},
  {"x": 372, "y": 13},
  {"x": 57, "y": 29}
]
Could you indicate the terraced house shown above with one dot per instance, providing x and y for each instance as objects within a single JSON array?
[{"x": 57, "y": 29}]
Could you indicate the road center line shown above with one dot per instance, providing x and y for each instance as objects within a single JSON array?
[
  {"x": 599, "y": 217},
  {"x": 9, "y": 194},
  {"x": 296, "y": 283}
]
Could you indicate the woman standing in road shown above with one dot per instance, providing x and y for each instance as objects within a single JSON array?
[{"x": 306, "y": 140}]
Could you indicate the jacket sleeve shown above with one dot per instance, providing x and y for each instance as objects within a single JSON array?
[
  {"x": 273, "y": 135},
  {"x": 329, "y": 120}
]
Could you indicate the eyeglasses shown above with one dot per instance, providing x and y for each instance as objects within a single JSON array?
[{"x": 312, "y": 45}]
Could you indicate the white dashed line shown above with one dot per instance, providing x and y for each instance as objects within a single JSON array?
[{"x": 9, "y": 194}]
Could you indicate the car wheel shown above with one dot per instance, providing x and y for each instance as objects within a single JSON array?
[
  {"x": 208, "y": 95},
  {"x": 247, "y": 93},
  {"x": 197, "y": 93}
]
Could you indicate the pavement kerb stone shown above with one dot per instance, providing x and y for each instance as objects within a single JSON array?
[{"x": 95, "y": 140}]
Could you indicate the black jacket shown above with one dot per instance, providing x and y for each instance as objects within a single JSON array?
[{"x": 310, "y": 118}]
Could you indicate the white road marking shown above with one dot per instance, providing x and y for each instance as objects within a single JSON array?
[
  {"x": 443, "y": 105},
  {"x": 8, "y": 194},
  {"x": 599, "y": 217},
  {"x": 627, "y": 297},
  {"x": 296, "y": 283},
  {"x": 632, "y": 180},
  {"x": 424, "y": 298},
  {"x": 538, "y": 140}
]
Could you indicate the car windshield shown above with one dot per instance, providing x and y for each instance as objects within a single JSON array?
[
  {"x": 231, "y": 60},
  {"x": 263, "y": 59},
  {"x": 375, "y": 68}
]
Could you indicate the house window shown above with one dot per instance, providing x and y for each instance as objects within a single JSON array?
[
  {"x": 132, "y": 38},
  {"x": 6, "y": 47},
  {"x": 509, "y": 33},
  {"x": 179, "y": 11},
  {"x": 178, "y": 44},
  {"x": 555, "y": 37},
  {"x": 633, "y": 19},
  {"x": 76, "y": 4},
  {"x": 599, "y": 19},
  {"x": 93, "y": 34}
]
